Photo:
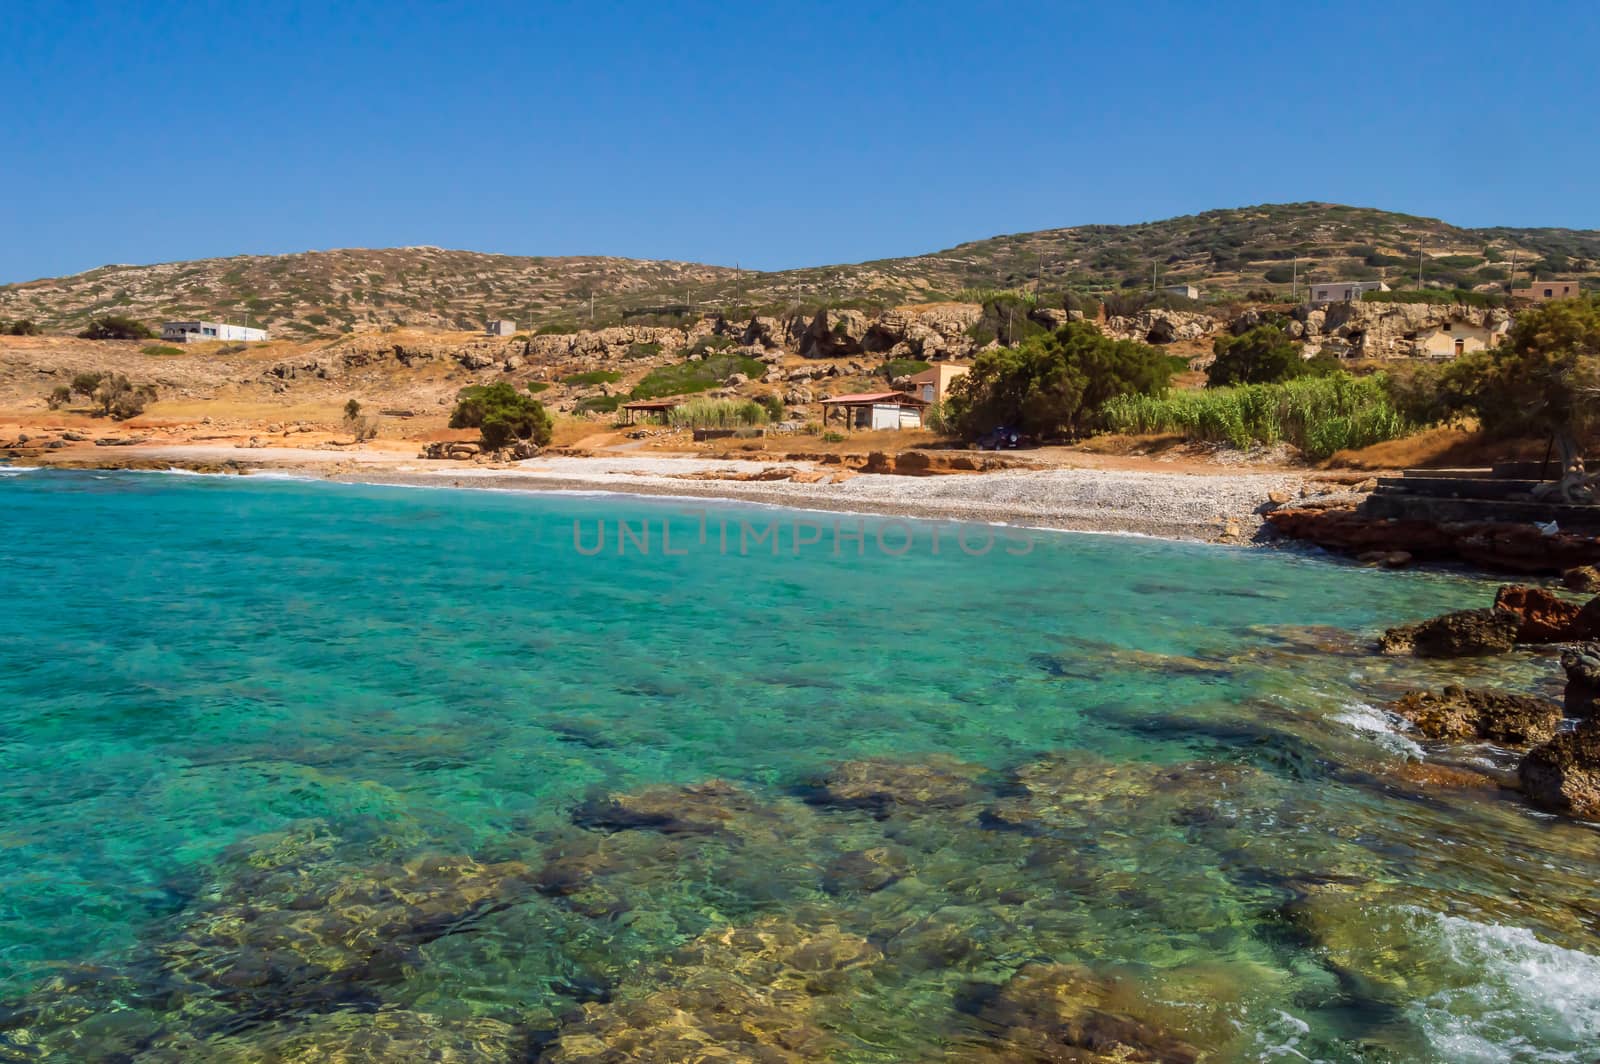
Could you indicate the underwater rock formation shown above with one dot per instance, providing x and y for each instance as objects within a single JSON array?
[{"x": 883, "y": 787}]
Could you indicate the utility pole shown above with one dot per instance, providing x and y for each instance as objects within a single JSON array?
[
  {"x": 1152, "y": 278},
  {"x": 1513, "y": 285},
  {"x": 1419, "y": 269},
  {"x": 591, "y": 308},
  {"x": 1294, "y": 284},
  {"x": 1038, "y": 283}
]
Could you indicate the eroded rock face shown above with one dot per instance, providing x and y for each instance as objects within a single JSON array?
[
  {"x": 1544, "y": 616},
  {"x": 1463, "y": 715},
  {"x": 1060, "y": 1012},
  {"x": 1582, "y": 665},
  {"x": 1158, "y": 325},
  {"x": 1563, "y": 775},
  {"x": 1463, "y": 634},
  {"x": 884, "y": 788}
]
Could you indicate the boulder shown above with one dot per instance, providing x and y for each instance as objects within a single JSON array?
[
  {"x": 1463, "y": 634},
  {"x": 1563, "y": 775},
  {"x": 1463, "y": 715},
  {"x": 1582, "y": 578},
  {"x": 1543, "y": 616},
  {"x": 884, "y": 787},
  {"x": 1582, "y": 665}
]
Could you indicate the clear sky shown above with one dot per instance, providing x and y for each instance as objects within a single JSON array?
[{"x": 773, "y": 135}]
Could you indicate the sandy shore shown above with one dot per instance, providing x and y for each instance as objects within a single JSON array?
[{"x": 1217, "y": 505}]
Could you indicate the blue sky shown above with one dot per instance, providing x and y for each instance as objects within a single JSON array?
[{"x": 773, "y": 135}]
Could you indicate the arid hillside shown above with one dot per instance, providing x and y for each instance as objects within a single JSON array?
[{"x": 1260, "y": 252}]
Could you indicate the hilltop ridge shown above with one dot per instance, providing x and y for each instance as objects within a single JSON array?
[{"x": 1247, "y": 252}]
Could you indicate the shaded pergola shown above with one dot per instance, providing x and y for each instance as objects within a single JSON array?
[
  {"x": 850, "y": 404},
  {"x": 651, "y": 406}
]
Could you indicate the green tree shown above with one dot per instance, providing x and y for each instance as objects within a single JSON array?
[
  {"x": 116, "y": 327},
  {"x": 23, "y": 327},
  {"x": 501, "y": 414},
  {"x": 60, "y": 396},
  {"x": 84, "y": 384},
  {"x": 1264, "y": 355},
  {"x": 352, "y": 409},
  {"x": 1544, "y": 379},
  {"x": 1053, "y": 383}
]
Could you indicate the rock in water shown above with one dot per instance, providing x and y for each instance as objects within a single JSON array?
[
  {"x": 1468, "y": 716},
  {"x": 1463, "y": 634},
  {"x": 1544, "y": 616},
  {"x": 1583, "y": 680},
  {"x": 1583, "y": 578},
  {"x": 1563, "y": 775}
]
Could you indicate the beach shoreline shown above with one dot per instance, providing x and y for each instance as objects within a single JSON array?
[{"x": 1221, "y": 506}]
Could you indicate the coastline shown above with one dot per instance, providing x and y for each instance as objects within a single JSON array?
[{"x": 1218, "y": 506}]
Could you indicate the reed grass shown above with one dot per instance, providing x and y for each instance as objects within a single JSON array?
[
  {"x": 1318, "y": 415},
  {"x": 717, "y": 414}
]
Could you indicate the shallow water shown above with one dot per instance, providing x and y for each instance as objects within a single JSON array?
[{"x": 281, "y": 761}]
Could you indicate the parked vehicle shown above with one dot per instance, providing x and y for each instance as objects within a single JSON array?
[{"x": 1002, "y": 438}]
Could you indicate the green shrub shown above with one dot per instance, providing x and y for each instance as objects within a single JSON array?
[
  {"x": 116, "y": 327},
  {"x": 832, "y": 437},
  {"x": 593, "y": 376},
  {"x": 1438, "y": 296},
  {"x": 535, "y": 387},
  {"x": 501, "y": 414},
  {"x": 352, "y": 408},
  {"x": 1319, "y": 415},
  {"x": 1054, "y": 383},
  {"x": 708, "y": 345},
  {"x": 640, "y": 349},
  {"x": 22, "y": 327},
  {"x": 902, "y": 367},
  {"x": 773, "y": 405},
  {"x": 60, "y": 396},
  {"x": 120, "y": 399},
  {"x": 85, "y": 383},
  {"x": 597, "y": 404},
  {"x": 161, "y": 349},
  {"x": 556, "y": 328},
  {"x": 717, "y": 414},
  {"x": 686, "y": 378}
]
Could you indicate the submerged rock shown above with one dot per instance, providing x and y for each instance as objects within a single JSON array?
[
  {"x": 1465, "y": 633},
  {"x": 1060, "y": 1012},
  {"x": 698, "y": 809},
  {"x": 1563, "y": 775},
  {"x": 1543, "y": 616},
  {"x": 865, "y": 870},
  {"x": 734, "y": 994},
  {"x": 384, "y": 1035},
  {"x": 1582, "y": 665},
  {"x": 884, "y": 787},
  {"x": 1466, "y": 715}
]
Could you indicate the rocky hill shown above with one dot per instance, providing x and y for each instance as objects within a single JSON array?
[{"x": 1254, "y": 252}]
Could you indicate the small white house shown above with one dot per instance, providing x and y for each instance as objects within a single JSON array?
[
  {"x": 185, "y": 332},
  {"x": 1344, "y": 291},
  {"x": 1187, "y": 291},
  {"x": 877, "y": 410},
  {"x": 501, "y": 327}
]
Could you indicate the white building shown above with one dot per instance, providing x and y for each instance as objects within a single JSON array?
[
  {"x": 1187, "y": 291},
  {"x": 184, "y": 332},
  {"x": 1344, "y": 291},
  {"x": 501, "y": 327}
]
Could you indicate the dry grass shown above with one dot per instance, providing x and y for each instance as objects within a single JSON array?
[{"x": 1451, "y": 447}]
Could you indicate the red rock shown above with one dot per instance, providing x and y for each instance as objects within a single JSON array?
[
  {"x": 1494, "y": 545},
  {"x": 1543, "y": 617}
]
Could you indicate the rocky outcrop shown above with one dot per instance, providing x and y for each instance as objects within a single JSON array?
[
  {"x": 884, "y": 788},
  {"x": 1582, "y": 666},
  {"x": 1543, "y": 616},
  {"x": 1390, "y": 330},
  {"x": 1563, "y": 775},
  {"x": 1518, "y": 548},
  {"x": 1465, "y": 633},
  {"x": 932, "y": 332},
  {"x": 1157, "y": 325},
  {"x": 1463, "y": 715}
]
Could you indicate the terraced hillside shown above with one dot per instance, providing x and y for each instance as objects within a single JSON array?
[{"x": 1246, "y": 252}]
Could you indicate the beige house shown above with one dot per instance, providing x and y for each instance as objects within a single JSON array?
[
  {"x": 1455, "y": 338},
  {"x": 933, "y": 383},
  {"x": 1344, "y": 291},
  {"x": 1540, "y": 291},
  {"x": 876, "y": 410},
  {"x": 500, "y": 327}
]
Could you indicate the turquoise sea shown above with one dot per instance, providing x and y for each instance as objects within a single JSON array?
[{"x": 300, "y": 771}]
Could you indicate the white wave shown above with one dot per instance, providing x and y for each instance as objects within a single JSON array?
[
  {"x": 1382, "y": 726},
  {"x": 17, "y": 471},
  {"x": 1515, "y": 998}
]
